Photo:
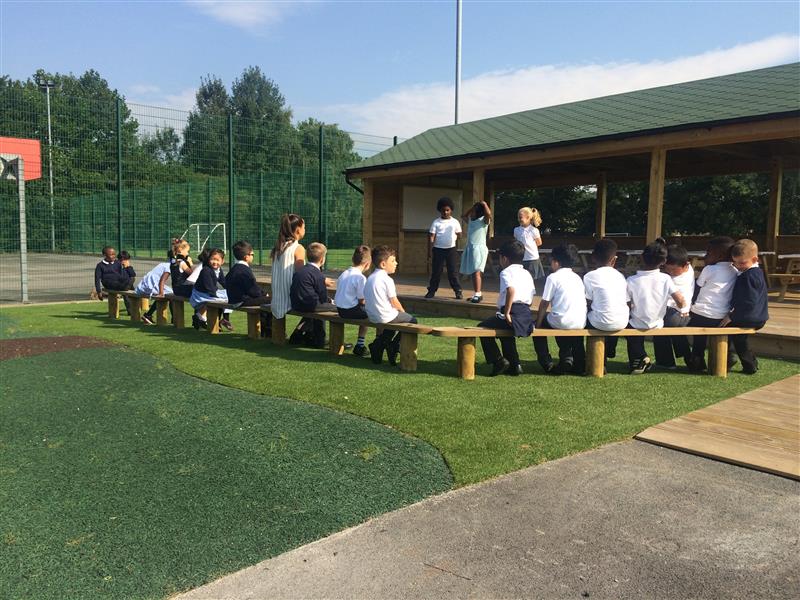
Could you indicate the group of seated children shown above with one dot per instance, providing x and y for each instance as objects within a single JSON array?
[{"x": 731, "y": 290}]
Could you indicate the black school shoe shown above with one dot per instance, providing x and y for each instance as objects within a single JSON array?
[
  {"x": 750, "y": 367},
  {"x": 549, "y": 368},
  {"x": 392, "y": 351},
  {"x": 514, "y": 370},
  {"x": 459, "y": 295},
  {"x": 361, "y": 351},
  {"x": 696, "y": 364},
  {"x": 640, "y": 366},
  {"x": 376, "y": 351},
  {"x": 430, "y": 294},
  {"x": 500, "y": 366},
  {"x": 563, "y": 367}
]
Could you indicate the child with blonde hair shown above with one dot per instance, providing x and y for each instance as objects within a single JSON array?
[{"x": 529, "y": 236}]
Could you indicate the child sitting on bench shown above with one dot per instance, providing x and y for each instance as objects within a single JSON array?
[
  {"x": 668, "y": 348},
  {"x": 154, "y": 284},
  {"x": 206, "y": 289},
  {"x": 349, "y": 298},
  {"x": 113, "y": 274},
  {"x": 309, "y": 293},
  {"x": 241, "y": 285},
  {"x": 606, "y": 294}
]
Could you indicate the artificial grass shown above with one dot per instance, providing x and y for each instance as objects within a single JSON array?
[
  {"x": 121, "y": 477},
  {"x": 483, "y": 428}
]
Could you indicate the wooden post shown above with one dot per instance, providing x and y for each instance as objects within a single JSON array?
[
  {"x": 162, "y": 312},
  {"x": 466, "y": 357},
  {"x": 478, "y": 185},
  {"x": 336, "y": 338},
  {"x": 774, "y": 213},
  {"x": 718, "y": 355},
  {"x": 366, "y": 215},
  {"x": 279, "y": 331},
  {"x": 213, "y": 316},
  {"x": 408, "y": 351},
  {"x": 595, "y": 355},
  {"x": 254, "y": 325},
  {"x": 655, "y": 205},
  {"x": 491, "y": 207},
  {"x": 113, "y": 306},
  {"x": 145, "y": 304},
  {"x": 600, "y": 212},
  {"x": 136, "y": 308},
  {"x": 177, "y": 313}
]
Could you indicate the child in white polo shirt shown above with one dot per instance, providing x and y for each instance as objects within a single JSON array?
[
  {"x": 715, "y": 290},
  {"x": 606, "y": 294},
  {"x": 513, "y": 311},
  {"x": 442, "y": 238},
  {"x": 529, "y": 236},
  {"x": 648, "y": 292},
  {"x": 382, "y": 305},
  {"x": 565, "y": 295},
  {"x": 668, "y": 348},
  {"x": 349, "y": 299}
]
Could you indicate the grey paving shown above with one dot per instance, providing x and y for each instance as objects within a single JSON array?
[{"x": 629, "y": 520}]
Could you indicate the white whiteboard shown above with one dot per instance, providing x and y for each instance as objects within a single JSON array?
[{"x": 419, "y": 206}]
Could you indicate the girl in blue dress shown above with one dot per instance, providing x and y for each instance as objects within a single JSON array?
[{"x": 473, "y": 260}]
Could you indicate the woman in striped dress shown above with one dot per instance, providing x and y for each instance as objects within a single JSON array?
[{"x": 287, "y": 256}]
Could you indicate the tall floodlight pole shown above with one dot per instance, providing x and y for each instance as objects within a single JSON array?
[
  {"x": 46, "y": 85},
  {"x": 458, "y": 53}
]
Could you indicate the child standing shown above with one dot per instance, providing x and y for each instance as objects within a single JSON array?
[
  {"x": 528, "y": 235},
  {"x": 679, "y": 267},
  {"x": 473, "y": 260},
  {"x": 207, "y": 289},
  {"x": 154, "y": 284},
  {"x": 383, "y": 306},
  {"x": 648, "y": 292},
  {"x": 349, "y": 297},
  {"x": 309, "y": 293},
  {"x": 713, "y": 302},
  {"x": 606, "y": 294},
  {"x": 565, "y": 295},
  {"x": 749, "y": 306},
  {"x": 513, "y": 311},
  {"x": 442, "y": 238},
  {"x": 287, "y": 256},
  {"x": 241, "y": 285}
]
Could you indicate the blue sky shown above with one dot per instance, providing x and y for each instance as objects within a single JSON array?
[{"x": 387, "y": 67}]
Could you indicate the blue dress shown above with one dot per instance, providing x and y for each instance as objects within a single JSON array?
[{"x": 475, "y": 252}]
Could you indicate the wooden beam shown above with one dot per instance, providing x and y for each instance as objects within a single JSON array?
[
  {"x": 600, "y": 209},
  {"x": 655, "y": 205},
  {"x": 366, "y": 215},
  {"x": 774, "y": 212}
]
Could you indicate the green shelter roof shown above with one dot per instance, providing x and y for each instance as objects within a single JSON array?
[{"x": 759, "y": 94}]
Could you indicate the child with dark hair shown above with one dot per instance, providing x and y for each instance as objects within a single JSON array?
[
  {"x": 349, "y": 298},
  {"x": 113, "y": 273},
  {"x": 309, "y": 293},
  {"x": 210, "y": 287},
  {"x": 668, "y": 348},
  {"x": 606, "y": 294},
  {"x": 714, "y": 293},
  {"x": 442, "y": 237},
  {"x": 513, "y": 311},
  {"x": 648, "y": 292},
  {"x": 241, "y": 285},
  {"x": 565, "y": 296},
  {"x": 476, "y": 252}
]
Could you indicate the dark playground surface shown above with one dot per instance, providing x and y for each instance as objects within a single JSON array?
[{"x": 22, "y": 347}]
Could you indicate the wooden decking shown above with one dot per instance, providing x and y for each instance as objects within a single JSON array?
[{"x": 759, "y": 429}]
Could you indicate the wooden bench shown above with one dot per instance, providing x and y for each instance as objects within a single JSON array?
[
  {"x": 790, "y": 276},
  {"x": 595, "y": 344},
  {"x": 137, "y": 304}
]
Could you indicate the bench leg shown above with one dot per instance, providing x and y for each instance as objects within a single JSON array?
[
  {"x": 144, "y": 304},
  {"x": 136, "y": 309},
  {"x": 595, "y": 355},
  {"x": 466, "y": 357},
  {"x": 279, "y": 331},
  {"x": 162, "y": 312},
  {"x": 336, "y": 339},
  {"x": 254, "y": 325},
  {"x": 408, "y": 351},
  {"x": 113, "y": 306},
  {"x": 178, "y": 314},
  {"x": 213, "y": 315},
  {"x": 718, "y": 355},
  {"x": 784, "y": 288}
]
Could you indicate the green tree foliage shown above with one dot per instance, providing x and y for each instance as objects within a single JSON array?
[{"x": 205, "y": 137}]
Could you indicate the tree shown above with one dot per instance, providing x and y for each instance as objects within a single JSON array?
[
  {"x": 205, "y": 137},
  {"x": 164, "y": 145}
]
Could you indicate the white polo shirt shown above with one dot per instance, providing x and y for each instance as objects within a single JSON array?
[
  {"x": 685, "y": 284},
  {"x": 349, "y": 288},
  {"x": 378, "y": 290},
  {"x": 607, "y": 290},
  {"x": 527, "y": 236},
  {"x": 517, "y": 277},
  {"x": 446, "y": 232},
  {"x": 716, "y": 290},
  {"x": 648, "y": 292},
  {"x": 565, "y": 292}
]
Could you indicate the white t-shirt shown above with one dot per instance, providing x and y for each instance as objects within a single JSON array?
[
  {"x": 648, "y": 292},
  {"x": 527, "y": 236},
  {"x": 446, "y": 232},
  {"x": 564, "y": 290},
  {"x": 607, "y": 290},
  {"x": 716, "y": 290},
  {"x": 517, "y": 277},
  {"x": 685, "y": 284},
  {"x": 148, "y": 286},
  {"x": 349, "y": 288},
  {"x": 378, "y": 290}
]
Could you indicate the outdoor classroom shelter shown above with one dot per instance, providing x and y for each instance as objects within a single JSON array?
[{"x": 742, "y": 123}]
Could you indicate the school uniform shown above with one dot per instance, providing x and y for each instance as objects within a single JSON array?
[
  {"x": 667, "y": 348},
  {"x": 242, "y": 287},
  {"x": 518, "y": 278},
  {"x": 713, "y": 302},
  {"x": 444, "y": 253},
  {"x": 113, "y": 276},
  {"x": 181, "y": 286},
  {"x": 607, "y": 290},
  {"x": 648, "y": 292},
  {"x": 350, "y": 293},
  {"x": 527, "y": 236},
  {"x": 308, "y": 293},
  {"x": 567, "y": 296},
  {"x": 378, "y": 292},
  {"x": 749, "y": 308},
  {"x": 149, "y": 285},
  {"x": 207, "y": 288}
]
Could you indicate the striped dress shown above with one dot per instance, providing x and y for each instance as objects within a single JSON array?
[{"x": 282, "y": 272}]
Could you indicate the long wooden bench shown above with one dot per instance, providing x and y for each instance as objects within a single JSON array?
[{"x": 595, "y": 344}]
